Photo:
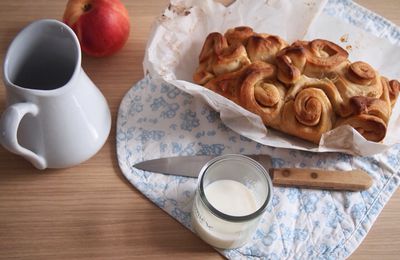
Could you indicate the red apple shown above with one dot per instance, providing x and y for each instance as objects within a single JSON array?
[{"x": 102, "y": 26}]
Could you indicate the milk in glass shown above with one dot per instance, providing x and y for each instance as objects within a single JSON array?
[{"x": 233, "y": 192}]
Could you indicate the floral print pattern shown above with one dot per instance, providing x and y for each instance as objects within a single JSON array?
[{"x": 158, "y": 120}]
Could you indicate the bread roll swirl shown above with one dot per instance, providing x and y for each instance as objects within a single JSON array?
[
  {"x": 308, "y": 115},
  {"x": 262, "y": 94},
  {"x": 238, "y": 35},
  {"x": 264, "y": 47},
  {"x": 304, "y": 89},
  {"x": 227, "y": 85},
  {"x": 370, "y": 115},
  {"x": 394, "y": 89},
  {"x": 322, "y": 57},
  {"x": 357, "y": 79},
  {"x": 217, "y": 57},
  {"x": 313, "y": 59},
  {"x": 230, "y": 59},
  {"x": 326, "y": 86},
  {"x": 307, "y": 108},
  {"x": 291, "y": 61},
  {"x": 361, "y": 73},
  {"x": 370, "y": 127},
  {"x": 380, "y": 107},
  {"x": 371, "y": 106},
  {"x": 213, "y": 45}
]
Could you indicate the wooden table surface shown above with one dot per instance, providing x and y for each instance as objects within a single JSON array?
[{"x": 91, "y": 211}]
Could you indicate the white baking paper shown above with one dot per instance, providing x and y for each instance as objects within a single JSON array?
[{"x": 178, "y": 35}]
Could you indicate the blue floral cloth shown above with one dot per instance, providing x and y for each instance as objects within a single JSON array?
[{"x": 158, "y": 120}]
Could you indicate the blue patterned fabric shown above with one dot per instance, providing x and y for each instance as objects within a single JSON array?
[
  {"x": 363, "y": 18},
  {"x": 158, "y": 120}
]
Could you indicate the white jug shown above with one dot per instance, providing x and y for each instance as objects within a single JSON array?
[{"x": 55, "y": 116}]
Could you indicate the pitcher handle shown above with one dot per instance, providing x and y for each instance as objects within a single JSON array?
[{"x": 9, "y": 124}]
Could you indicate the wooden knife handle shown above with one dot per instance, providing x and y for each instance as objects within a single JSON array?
[{"x": 354, "y": 180}]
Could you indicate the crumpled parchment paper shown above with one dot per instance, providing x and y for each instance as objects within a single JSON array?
[{"x": 178, "y": 35}]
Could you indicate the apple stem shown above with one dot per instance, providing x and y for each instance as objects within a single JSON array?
[{"x": 87, "y": 7}]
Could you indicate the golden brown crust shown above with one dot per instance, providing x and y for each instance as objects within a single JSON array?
[
  {"x": 351, "y": 84},
  {"x": 308, "y": 115},
  {"x": 370, "y": 115},
  {"x": 361, "y": 73},
  {"x": 291, "y": 61},
  {"x": 370, "y": 106},
  {"x": 217, "y": 57},
  {"x": 239, "y": 35},
  {"x": 316, "y": 59},
  {"x": 322, "y": 57},
  {"x": 213, "y": 46},
  {"x": 394, "y": 89},
  {"x": 370, "y": 127},
  {"x": 230, "y": 59},
  {"x": 264, "y": 47},
  {"x": 304, "y": 89},
  {"x": 262, "y": 94},
  {"x": 326, "y": 86},
  {"x": 227, "y": 85}
]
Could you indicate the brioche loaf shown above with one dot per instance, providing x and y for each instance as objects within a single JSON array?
[{"x": 304, "y": 89}]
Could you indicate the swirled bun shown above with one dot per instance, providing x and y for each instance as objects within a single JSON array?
[{"x": 304, "y": 89}]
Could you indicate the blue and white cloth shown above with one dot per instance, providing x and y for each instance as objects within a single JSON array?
[{"x": 158, "y": 120}]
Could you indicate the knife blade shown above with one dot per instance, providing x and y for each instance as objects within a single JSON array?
[{"x": 190, "y": 166}]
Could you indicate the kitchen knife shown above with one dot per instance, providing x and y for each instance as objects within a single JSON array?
[{"x": 190, "y": 166}]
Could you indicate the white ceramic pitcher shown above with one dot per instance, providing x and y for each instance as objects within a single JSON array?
[{"x": 55, "y": 116}]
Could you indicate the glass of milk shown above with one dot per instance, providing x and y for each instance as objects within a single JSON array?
[{"x": 232, "y": 193}]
